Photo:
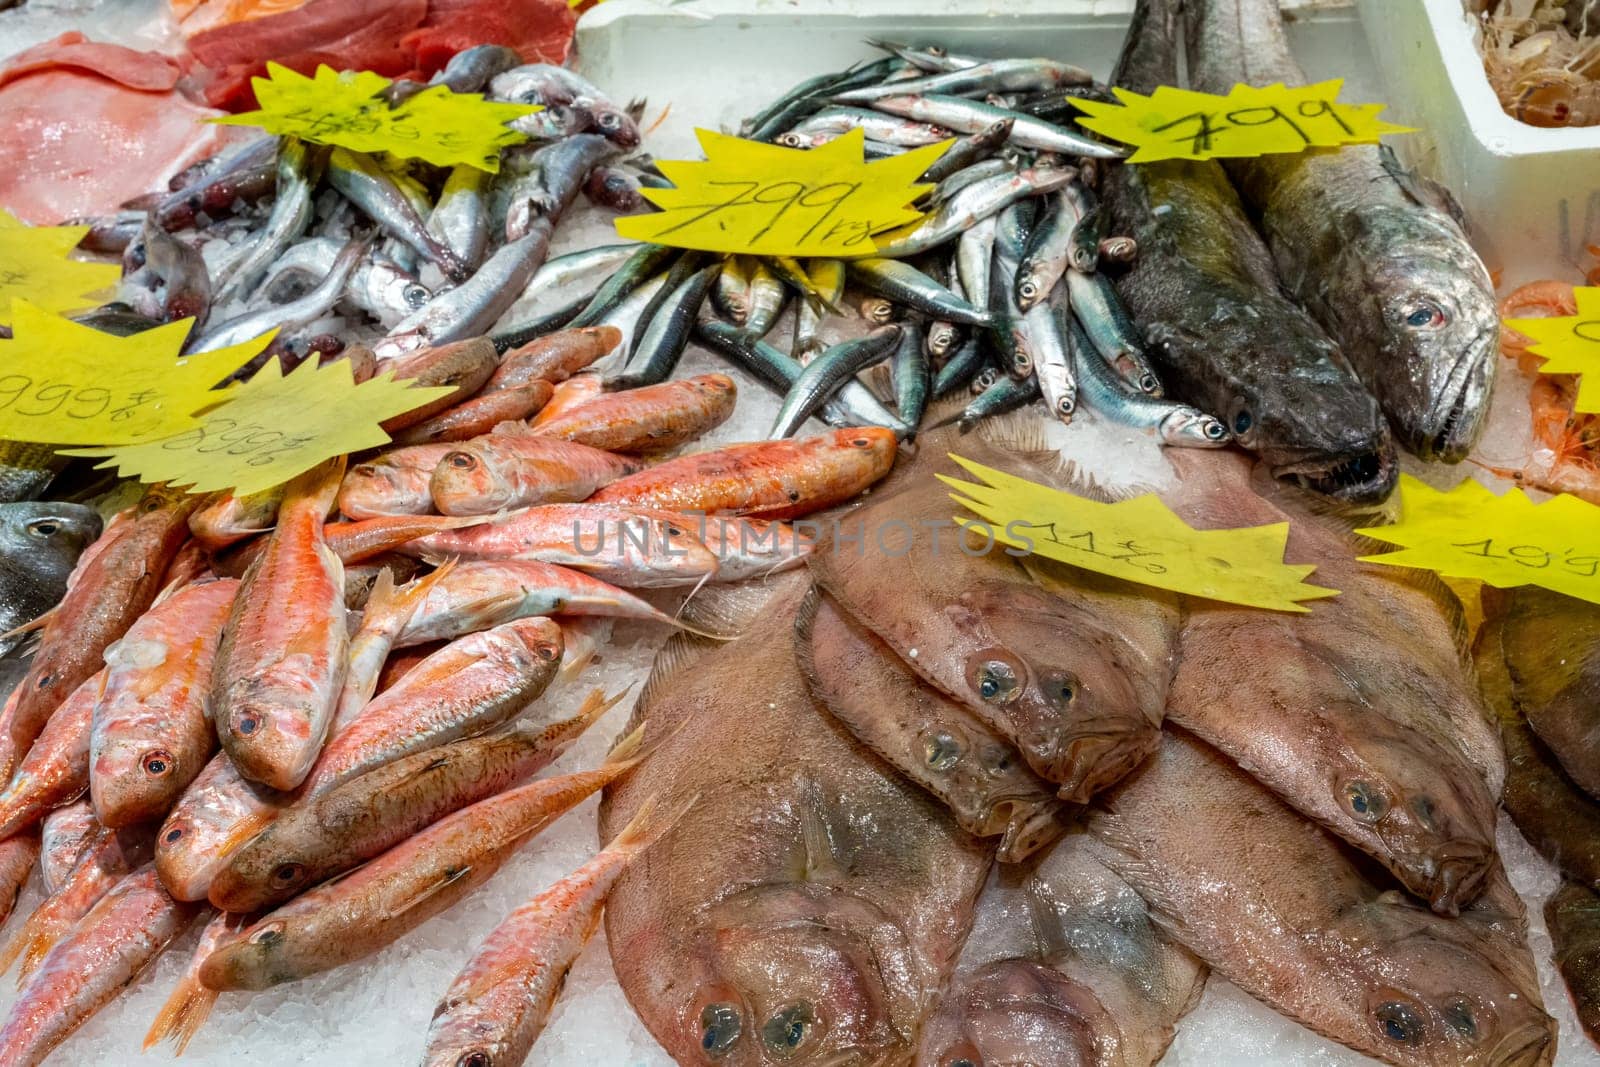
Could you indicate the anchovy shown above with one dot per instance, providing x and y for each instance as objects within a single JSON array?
[
  {"x": 810, "y": 96},
  {"x": 664, "y": 339},
  {"x": 978, "y": 172},
  {"x": 907, "y": 285},
  {"x": 731, "y": 295},
  {"x": 299, "y": 168},
  {"x": 974, "y": 257},
  {"x": 362, "y": 181},
  {"x": 971, "y": 116},
  {"x": 291, "y": 316},
  {"x": 590, "y": 264},
  {"x": 827, "y": 372},
  {"x": 686, "y": 265},
  {"x": 972, "y": 205},
  {"x": 913, "y": 376},
  {"x": 828, "y": 276},
  {"x": 460, "y": 219},
  {"x": 960, "y": 368},
  {"x": 1052, "y": 363},
  {"x": 1100, "y": 310},
  {"x": 1176, "y": 424},
  {"x": 933, "y": 60},
  {"x": 1001, "y": 75},
  {"x": 973, "y": 148},
  {"x": 875, "y": 125},
  {"x": 645, "y": 263},
  {"x": 767, "y": 296},
  {"x": 1045, "y": 260},
  {"x": 1012, "y": 342},
  {"x": 1004, "y": 394}
]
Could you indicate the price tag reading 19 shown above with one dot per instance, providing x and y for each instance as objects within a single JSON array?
[
  {"x": 763, "y": 199},
  {"x": 1176, "y": 123}
]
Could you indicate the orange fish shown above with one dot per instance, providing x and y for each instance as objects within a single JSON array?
[
  {"x": 649, "y": 419},
  {"x": 513, "y": 467},
  {"x": 554, "y": 358}
]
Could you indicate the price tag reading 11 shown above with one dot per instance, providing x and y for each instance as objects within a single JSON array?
[
  {"x": 1174, "y": 123},
  {"x": 767, "y": 200},
  {"x": 1506, "y": 541}
]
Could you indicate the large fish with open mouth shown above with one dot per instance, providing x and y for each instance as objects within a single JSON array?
[
  {"x": 828, "y": 939},
  {"x": 1374, "y": 253},
  {"x": 1206, "y": 296}
]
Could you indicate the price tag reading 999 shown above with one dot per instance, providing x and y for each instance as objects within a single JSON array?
[
  {"x": 768, "y": 200},
  {"x": 1174, "y": 123},
  {"x": 1506, "y": 540}
]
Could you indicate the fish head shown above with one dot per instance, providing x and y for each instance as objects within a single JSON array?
[
  {"x": 47, "y": 533},
  {"x": 1187, "y": 427},
  {"x": 1434, "y": 332},
  {"x": 469, "y": 482},
  {"x": 382, "y": 488},
  {"x": 134, "y": 780},
  {"x": 1437, "y": 993},
  {"x": 615, "y": 124},
  {"x": 187, "y": 854},
  {"x": 1017, "y": 1013},
  {"x": 801, "y": 974},
  {"x": 1438, "y": 833},
  {"x": 1059, "y": 682},
  {"x": 253, "y": 960}
]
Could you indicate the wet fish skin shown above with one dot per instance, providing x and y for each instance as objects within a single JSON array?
[
  {"x": 1176, "y": 424},
  {"x": 395, "y": 482},
  {"x": 226, "y": 519},
  {"x": 1000, "y": 75},
  {"x": 769, "y": 480},
  {"x": 969, "y": 207},
  {"x": 513, "y": 467},
  {"x": 278, "y": 671},
  {"x": 1225, "y": 338},
  {"x": 215, "y": 815},
  {"x": 646, "y": 262},
  {"x": 172, "y": 281},
  {"x": 554, "y": 358},
  {"x": 365, "y": 183},
  {"x": 510, "y": 984},
  {"x": 835, "y": 930},
  {"x": 56, "y": 767},
  {"x": 972, "y": 116},
  {"x": 18, "y": 854},
  {"x": 614, "y": 188},
  {"x": 40, "y": 543},
  {"x": 904, "y": 284},
  {"x": 1372, "y": 252},
  {"x": 767, "y": 298},
  {"x": 1313, "y": 937},
  {"x": 463, "y": 365},
  {"x": 285, "y": 317},
  {"x": 67, "y": 832},
  {"x": 151, "y": 735},
  {"x": 591, "y": 266},
  {"x": 299, "y": 168},
  {"x": 1571, "y": 913},
  {"x": 26, "y": 469},
  {"x": 398, "y": 890},
  {"x": 323, "y": 835},
  {"x": 1554, "y": 672},
  {"x": 969, "y": 150},
  {"x": 827, "y": 372},
  {"x": 480, "y": 415},
  {"x": 106, "y": 596},
  {"x": 1063, "y": 966},
  {"x": 460, "y": 219},
  {"x": 649, "y": 419},
  {"x": 116, "y": 941},
  {"x": 658, "y": 347},
  {"x": 927, "y": 737},
  {"x": 1105, "y": 322}
]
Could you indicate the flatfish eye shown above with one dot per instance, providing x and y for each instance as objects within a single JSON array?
[
  {"x": 1399, "y": 1023},
  {"x": 994, "y": 680},
  {"x": 788, "y": 1027},
  {"x": 940, "y": 750},
  {"x": 720, "y": 1029}
]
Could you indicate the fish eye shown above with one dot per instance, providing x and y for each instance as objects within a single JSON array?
[
  {"x": 1366, "y": 802},
  {"x": 1425, "y": 811},
  {"x": 995, "y": 681},
  {"x": 246, "y": 723},
  {"x": 43, "y": 527},
  {"x": 1060, "y": 687},
  {"x": 1029, "y": 290},
  {"x": 474, "y": 1058},
  {"x": 156, "y": 763},
  {"x": 1148, "y": 383},
  {"x": 1399, "y": 1023},
  {"x": 1458, "y": 1017},
  {"x": 940, "y": 750},
  {"x": 720, "y": 1028},
  {"x": 287, "y": 873},
  {"x": 1243, "y": 421},
  {"x": 1215, "y": 431},
  {"x": 996, "y": 759},
  {"x": 1424, "y": 313},
  {"x": 1066, "y": 406},
  {"x": 860, "y": 442},
  {"x": 415, "y": 295},
  {"x": 788, "y": 1027},
  {"x": 173, "y": 835},
  {"x": 609, "y": 121},
  {"x": 789, "y": 140},
  {"x": 461, "y": 460},
  {"x": 269, "y": 934}
]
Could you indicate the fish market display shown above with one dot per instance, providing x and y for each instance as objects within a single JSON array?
[{"x": 651, "y": 695}]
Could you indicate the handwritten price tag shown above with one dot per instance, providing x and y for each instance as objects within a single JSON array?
[
  {"x": 1570, "y": 345},
  {"x": 63, "y": 383},
  {"x": 1506, "y": 541},
  {"x": 1140, "y": 540},
  {"x": 35, "y": 266},
  {"x": 443, "y": 127},
  {"x": 272, "y": 428},
  {"x": 767, "y": 200},
  {"x": 1174, "y": 123}
]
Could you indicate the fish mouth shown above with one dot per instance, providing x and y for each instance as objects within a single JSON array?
[
  {"x": 1360, "y": 478},
  {"x": 1094, "y": 760},
  {"x": 1449, "y": 876},
  {"x": 1530, "y": 1045},
  {"x": 1452, "y": 422}
]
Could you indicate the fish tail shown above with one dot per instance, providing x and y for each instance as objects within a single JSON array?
[
  {"x": 244, "y": 830},
  {"x": 31, "y": 625},
  {"x": 320, "y": 485},
  {"x": 580, "y": 657},
  {"x": 646, "y": 828},
  {"x": 181, "y": 1017},
  {"x": 626, "y": 751},
  {"x": 402, "y": 601},
  {"x": 589, "y": 712},
  {"x": 32, "y": 944}
]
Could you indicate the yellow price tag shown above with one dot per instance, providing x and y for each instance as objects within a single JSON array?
[
  {"x": 272, "y": 428},
  {"x": 768, "y": 200},
  {"x": 443, "y": 127},
  {"x": 1174, "y": 123},
  {"x": 1139, "y": 540},
  {"x": 35, "y": 266},
  {"x": 63, "y": 383},
  {"x": 1506, "y": 540},
  {"x": 1570, "y": 345}
]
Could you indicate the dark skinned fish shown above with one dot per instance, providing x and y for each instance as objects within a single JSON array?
[
  {"x": 1282, "y": 911},
  {"x": 1371, "y": 251},
  {"x": 1573, "y": 915},
  {"x": 1205, "y": 295},
  {"x": 39, "y": 544},
  {"x": 830, "y": 938},
  {"x": 1554, "y": 662}
]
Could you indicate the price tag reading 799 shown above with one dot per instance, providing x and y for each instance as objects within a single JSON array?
[
  {"x": 1176, "y": 123},
  {"x": 768, "y": 200}
]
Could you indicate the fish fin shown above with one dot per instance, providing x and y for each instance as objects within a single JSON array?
[
  {"x": 680, "y": 652},
  {"x": 424, "y": 895},
  {"x": 184, "y": 1013},
  {"x": 32, "y": 625},
  {"x": 1422, "y": 189},
  {"x": 594, "y": 706},
  {"x": 626, "y": 750},
  {"x": 726, "y": 610},
  {"x": 387, "y": 598},
  {"x": 245, "y": 830},
  {"x": 577, "y": 662},
  {"x": 821, "y": 857},
  {"x": 513, "y": 428},
  {"x": 647, "y": 827},
  {"x": 33, "y": 943},
  {"x": 805, "y": 619}
]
